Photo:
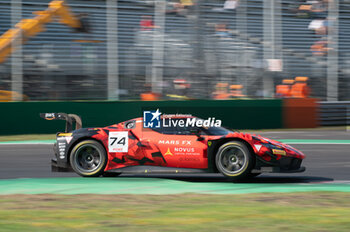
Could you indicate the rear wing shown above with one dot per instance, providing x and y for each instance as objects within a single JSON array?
[{"x": 69, "y": 118}]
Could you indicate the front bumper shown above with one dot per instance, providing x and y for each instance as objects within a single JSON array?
[
  {"x": 283, "y": 165},
  {"x": 278, "y": 170}
]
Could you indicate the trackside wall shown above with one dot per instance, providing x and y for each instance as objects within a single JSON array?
[{"x": 23, "y": 117}]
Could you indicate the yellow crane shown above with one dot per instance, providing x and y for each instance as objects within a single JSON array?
[{"x": 27, "y": 28}]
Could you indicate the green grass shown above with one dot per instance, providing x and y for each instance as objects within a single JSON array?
[{"x": 252, "y": 212}]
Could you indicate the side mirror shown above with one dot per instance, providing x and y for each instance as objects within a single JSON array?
[{"x": 197, "y": 132}]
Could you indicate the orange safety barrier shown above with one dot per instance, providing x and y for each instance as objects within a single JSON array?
[
  {"x": 284, "y": 89},
  {"x": 300, "y": 113},
  {"x": 236, "y": 91},
  {"x": 300, "y": 89},
  {"x": 305, "y": 7},
  {"x": 221, "y": 96},
  {"x": 149, "y": 96},
  {"x": 221, "y": 92}
]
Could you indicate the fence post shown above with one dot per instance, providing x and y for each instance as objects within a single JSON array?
[
  {"x": 158, "y": 46},
  {"x": 17, "y": 55},
  {"x": 272, "y": 41},
  {"x": 241, "y": 19},
  {"x": 347, "y": 118},
  {"x": 112, "y": 50},
  {"x": 332, "y": 57}
]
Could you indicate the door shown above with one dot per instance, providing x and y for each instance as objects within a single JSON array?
[{"x": 177, "y": 147}]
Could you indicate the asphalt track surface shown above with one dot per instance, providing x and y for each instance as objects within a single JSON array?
[{"x": 324, "y": 162}]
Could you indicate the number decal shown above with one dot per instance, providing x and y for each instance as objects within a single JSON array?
[
  {"x": 114, "y": 139},
  {"x": 122, "y": 141},
  {"x": 118, "y": 141}
]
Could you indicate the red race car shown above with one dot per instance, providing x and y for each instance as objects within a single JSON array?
[{"x": 129, "y": 147}]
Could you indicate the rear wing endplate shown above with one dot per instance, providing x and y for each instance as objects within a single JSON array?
[{"x": 69, "y": 118}]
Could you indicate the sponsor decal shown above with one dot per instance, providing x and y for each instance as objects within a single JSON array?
[
  {"x": 118, "y": 141},
  {"x": 64, "y": 134},
  {"x": 151, "y": 119},
  {"x": 191, "y": 122},
  {"x": 68, "y": 139},
  {"x": 175, "y": 142},
  {"x": 50, "y": 116},
  {"x": 278, "y": 152},
  {"x": 257, "y": 146},
  {"x": 182, "y": 151},
  {"x": 168, "y": 152},
  {"x": 61, "y": 149},
  {"x": 189, "y": 159}
]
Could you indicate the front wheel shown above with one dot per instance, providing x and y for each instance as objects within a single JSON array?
[
  {"x": 234, "y": 160},
  {"x": 88, "y": 158}
]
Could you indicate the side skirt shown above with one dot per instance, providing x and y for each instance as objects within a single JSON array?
[{"x": 155, "y": 169}]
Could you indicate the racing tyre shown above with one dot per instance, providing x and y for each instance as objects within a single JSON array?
[
  {"x": 234, "y": 160},
  {"x": 88, "y": 158}
]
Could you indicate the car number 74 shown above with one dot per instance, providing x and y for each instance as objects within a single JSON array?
[{"x": 118, "y": 141}]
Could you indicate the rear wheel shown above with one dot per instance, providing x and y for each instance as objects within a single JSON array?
[
  {"x": 88, "y": 158},
  {"x": 234, "y": 160}
]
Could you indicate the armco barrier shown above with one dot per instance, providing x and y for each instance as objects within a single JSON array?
[
  {"x": 23, "y": 117},
  {"x": 335, "y": 113}
]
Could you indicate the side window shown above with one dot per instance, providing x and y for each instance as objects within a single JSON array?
[
  {"x": 184, "y": 130},
  {"x": 189, "y": 130},
  {"x": 166, "y": 130},
  {"x": 177, "y": 130}
]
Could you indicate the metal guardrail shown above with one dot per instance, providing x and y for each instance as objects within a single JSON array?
[{"x": 335, "y": 113}]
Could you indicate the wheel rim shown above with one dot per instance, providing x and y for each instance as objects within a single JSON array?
[
  {"x": 88, "y": 158},
  {"x": 233, "y": 159}
]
